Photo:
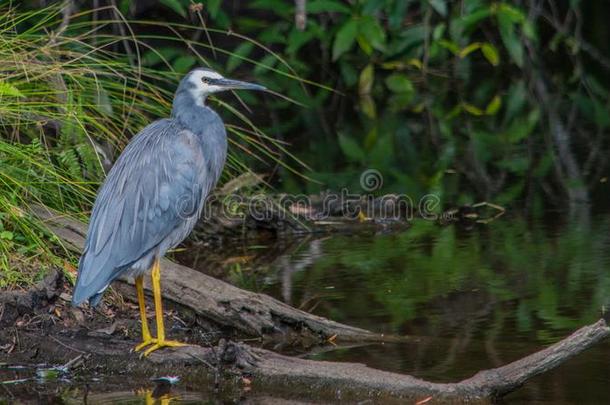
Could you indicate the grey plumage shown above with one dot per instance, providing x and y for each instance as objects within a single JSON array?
[{"x": 155, "y": 192}]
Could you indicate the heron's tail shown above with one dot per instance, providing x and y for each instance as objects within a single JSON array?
[{"x": 91, "y": 281}]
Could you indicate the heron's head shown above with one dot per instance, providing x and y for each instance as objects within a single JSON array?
[{"x": 201, "y": 82}]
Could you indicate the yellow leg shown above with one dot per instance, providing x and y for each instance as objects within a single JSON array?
[
  {"x": 147, "y": 339},
  {"x": 156, "y": 284}
]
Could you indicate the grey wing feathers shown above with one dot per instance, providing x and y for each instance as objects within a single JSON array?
[{"x": 156, "y": 185}]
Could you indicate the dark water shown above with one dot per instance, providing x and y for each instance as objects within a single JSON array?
[
  {"x": 478, "y": 297},
  {"x": 481, "y": 297}
]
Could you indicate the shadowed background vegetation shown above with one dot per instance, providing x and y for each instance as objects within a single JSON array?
[
  {"x": 471, "y": 100},
  {"x": 468, "y": 99}
]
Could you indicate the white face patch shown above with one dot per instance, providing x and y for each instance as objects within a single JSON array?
[{"x": 200, "y": 86}]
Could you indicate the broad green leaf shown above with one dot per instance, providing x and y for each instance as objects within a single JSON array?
[
  {"x": 494, "y": 106},
  {"x": 409, "y": 37},
  {"x": 397, "y": 15},
  {"x": 415, "y": 63},
  {"x": 372, "y": 32},
  {"x": 346, "y": 36},
  {"x": 394, "y": 65},
  {"x": 544, "y": 165},
  {"x": 213, "y": 7},
  {"x": 366, "y": 47},
  {"x": 515, "y": 100},
  {"x": 159, "y": 55},
  {"x": 529, "y": 30},
  {"x": 470, "y": 21},
  {"x": 491, "y": 53},
  {"x": 440, "y": 6},
  {"x": 367, "y": 104},
  {"x": 184, "y": 63},
  {"x": 242, "y": 51},
  {"x": 297, "y": 39},
  {"x": 514, "y": 14},
  {"x": 351, "y": 148},
  {"x": 399, "y": 83},
  {"x": 471, "y": 109},
  {"x": 124, "y": 6},
  {"x": 399, "y": 64},
  {"x": 281, "y": 8},
  {"x": 521, "y": 128},
  {"x": 266, "y": 63},
  {"x": 510, "y": 38},
  {"x": 349, "y": 74},
  {"x": 454, "y": 112},
  {"x": 175, "y": 5},
  {"x": 515, "y": 164},
  {"x": 372, "y": 7},
  {"x": 371, "y": 138},
  {"x": 469, "y": 49},
  {"x": 327, "y": 6},
  {"x": 400, "y": 101},
  {"x": 367, "y": 76},
  {"x": 449, "y": 45},
  {"x": 439, "y": 31},
  {"x": 7, "y": 89}
]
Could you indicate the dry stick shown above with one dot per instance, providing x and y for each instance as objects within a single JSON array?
[{"x": 300, "y": 15}]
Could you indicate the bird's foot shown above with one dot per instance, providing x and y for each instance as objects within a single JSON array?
[
  {"x": 145, "y": 342},
  {"x": 161, "y": 344}
]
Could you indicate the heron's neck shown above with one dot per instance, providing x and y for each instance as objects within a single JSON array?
[
  {"x": 193, "y": 113},
  {"x": 186, "y": 104},
  {"x": 207, "y": 125}
]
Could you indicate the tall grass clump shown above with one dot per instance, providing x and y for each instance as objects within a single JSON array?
[{"x": 70, "y": 99}]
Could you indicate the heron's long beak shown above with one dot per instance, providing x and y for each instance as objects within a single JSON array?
[{"x": 237, "y": 84}]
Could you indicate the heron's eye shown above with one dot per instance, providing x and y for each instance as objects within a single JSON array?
[{"x": 205, "y": 80}]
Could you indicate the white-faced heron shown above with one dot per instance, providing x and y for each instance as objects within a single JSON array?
[{"x": 154, "y": 195}]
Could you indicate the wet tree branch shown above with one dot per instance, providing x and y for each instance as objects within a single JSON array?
[{"x": 225, "y": 305}]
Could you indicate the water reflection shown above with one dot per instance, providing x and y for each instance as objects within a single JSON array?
[{"x": 478, "y": 298}]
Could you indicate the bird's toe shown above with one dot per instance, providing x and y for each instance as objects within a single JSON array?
[
  {"x": 162, "y": 344},
  {"x": 145, "y": 343}
]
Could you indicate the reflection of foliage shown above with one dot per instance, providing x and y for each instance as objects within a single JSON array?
[{"x": 544, "y": 282}]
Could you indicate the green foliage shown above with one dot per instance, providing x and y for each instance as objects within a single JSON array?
[
  {"x": 70, "y": 103},
  {"x": 446, "y": 87}
]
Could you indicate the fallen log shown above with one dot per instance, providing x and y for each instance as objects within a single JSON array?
[
  {"x": 225, "y": 305},
  {"x": 309, "y": 378},
  {"x": 317, "y": 380}
]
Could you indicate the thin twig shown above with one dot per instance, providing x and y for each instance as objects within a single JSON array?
[{"x": 65, "y": 345}]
